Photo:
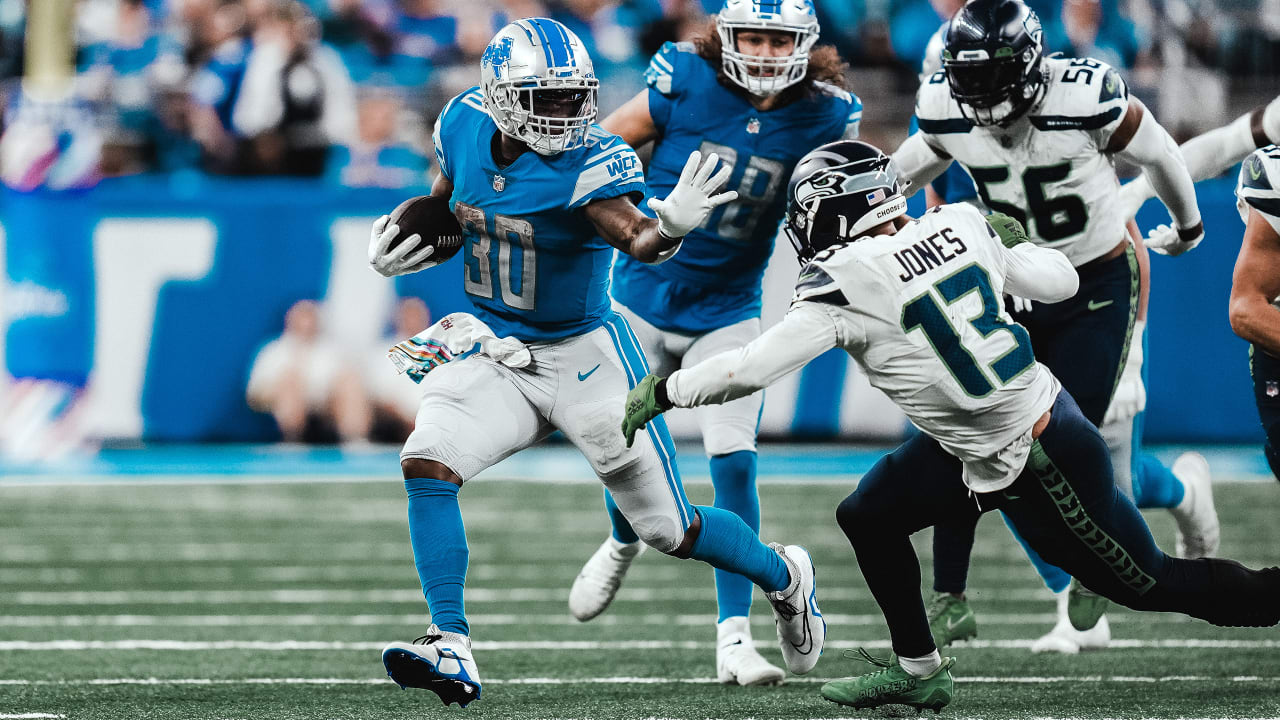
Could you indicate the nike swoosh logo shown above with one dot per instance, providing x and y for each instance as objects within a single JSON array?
[
  {"x": 954, "y": 625},
  {"x": 1255, "y": 170},
  {"x": 1095, "y": 305},
  {"x": 587, "y": 374}
]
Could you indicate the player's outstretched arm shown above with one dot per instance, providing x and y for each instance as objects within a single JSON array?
[
  {"x": 651, "y": 240},
  {"x": 1255, "y": 284},
  {"x": 1213, "y": 152},
  {"x": 807, "y": 331},
  {"x": 919, "y": 162},
  {"x": 1142, "y": 140}
]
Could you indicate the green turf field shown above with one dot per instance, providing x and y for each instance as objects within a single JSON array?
[{"x": 274, "y": 600}]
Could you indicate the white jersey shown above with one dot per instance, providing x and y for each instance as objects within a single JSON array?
[
  {"x": 1048, "y": 169},
  {"x": 1259, "y": 188},
  {"x": 920, "y": 311}
]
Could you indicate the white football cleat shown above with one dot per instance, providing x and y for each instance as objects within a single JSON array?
[
  {"x": 600, "y": 578},
  {"x": 801, "y": 629},
  {"x": 438, "y": 661},
  {"x": 1065, "y": 639},
  {"x": 737, "y": 660},
  {"x": 1198, "y": 530}
]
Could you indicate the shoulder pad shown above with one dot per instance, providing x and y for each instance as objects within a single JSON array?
[
  {"x": 666, "y": 64},
  {"x": 1081, "y": 94},
  {"x": 816, "y": 285},
  {"x": 609, "y": 168},
  {"x": 1259, "y": 184},
  {"x": 936, "y": 111},
  {"x": 454, "y": 113}
]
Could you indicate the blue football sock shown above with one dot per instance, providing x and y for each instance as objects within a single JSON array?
[
  {"x": 622, "y": 531},
  {"x": 439, "y": 549},
  {"x": 734, "y": 479},
  {"x": 726, "y": 542},
  {"x": 1155, "y": 486},
  {"x": 1054, "y": 577}
]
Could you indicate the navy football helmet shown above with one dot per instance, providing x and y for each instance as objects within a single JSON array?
[
  {"x": 839, "y": 191},
  {"x": 992, "y": 54}
]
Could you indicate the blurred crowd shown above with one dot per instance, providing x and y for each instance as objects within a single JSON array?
[{"x": 347, "y": 89}]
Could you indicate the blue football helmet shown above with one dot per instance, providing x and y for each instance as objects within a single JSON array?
[{"x": 539, "y": 86}]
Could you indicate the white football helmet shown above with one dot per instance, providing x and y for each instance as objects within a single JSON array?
[
  {"x": 531, "y": 67},
  {"x": 764, "y": 76}
]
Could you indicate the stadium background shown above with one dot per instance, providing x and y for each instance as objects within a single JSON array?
[
  {"x": 155, "y": 234},
  {"x": 152, "y": 243}
]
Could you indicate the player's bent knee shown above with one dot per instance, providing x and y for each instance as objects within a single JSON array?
[
  {"x": 422, "y": 468},
  {"x": 660, "y": 532},
  {"x": 856, "y": 517}
]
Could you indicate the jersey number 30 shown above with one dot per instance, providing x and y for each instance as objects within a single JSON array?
[
  {"x": 516, "y": 282},
  {"x": 925, "y": 313}
]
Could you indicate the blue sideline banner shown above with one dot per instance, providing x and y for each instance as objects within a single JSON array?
[{"x": 158, "y": 291}]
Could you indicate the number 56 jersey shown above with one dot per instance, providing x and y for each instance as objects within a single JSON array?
[
  {"x": 533, "y": 266},
  {"x": 1049, "y": 169}
]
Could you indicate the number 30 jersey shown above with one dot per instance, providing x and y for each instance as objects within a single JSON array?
[
  {"x": 533, "y": 266},
  {"x": 921, "y": 313},
  {"x": 1049, "y": 169},
  {"x": 692, "y": 110}
]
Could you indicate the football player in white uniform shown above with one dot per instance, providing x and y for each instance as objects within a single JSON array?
[
  {"x": 1255, "y": 287},
  {"x": 917, "y": 303},
  {"x": 1039, "y": 136}
]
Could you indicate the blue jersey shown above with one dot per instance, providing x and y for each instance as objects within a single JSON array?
[
  {"x": 533, "y": 266},
  {"x": 714, "y": 280}
]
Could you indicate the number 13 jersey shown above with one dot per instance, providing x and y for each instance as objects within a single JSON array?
[{"x": 1049, "y": 168}]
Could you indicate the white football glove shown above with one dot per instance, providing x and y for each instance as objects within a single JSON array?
[
  {"x": 406, "y": 258},
  {"x": 691, "y": 201},
  {"x": 1164, "y": 240},
  {"x": 1130, "y": 397}
]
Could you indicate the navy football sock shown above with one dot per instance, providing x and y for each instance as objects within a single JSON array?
[
  {"x": 727, "y": 543},
  {"x": 734, "y": 479},
  {"x": 439, "y": 549}
]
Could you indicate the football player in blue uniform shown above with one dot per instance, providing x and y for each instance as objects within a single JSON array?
[
  {"x": 543, "y": 196},
  {"x": 754, "y": 90}
]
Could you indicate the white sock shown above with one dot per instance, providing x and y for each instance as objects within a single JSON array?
[
  {"x": 922, "y": 666},
  {"x": 1061, "y": 598}
]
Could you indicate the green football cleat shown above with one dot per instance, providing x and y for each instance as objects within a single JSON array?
[
  {"x": 1084, "y": 606},
  {"x": 951, "y": 619},
  {"x": 891, "y": 685}
]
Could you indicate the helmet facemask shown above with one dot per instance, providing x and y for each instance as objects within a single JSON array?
[
  {"x": 550, "y": 116},
  {"x": 995, "y": 86},
  {"x": 759, "y": 75}
]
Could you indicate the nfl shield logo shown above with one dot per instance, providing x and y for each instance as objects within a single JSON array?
[
  {"x": 1273, "y": 388},
  {"x": 499, "y": 183},
  {"x": 753, "y": 126}
]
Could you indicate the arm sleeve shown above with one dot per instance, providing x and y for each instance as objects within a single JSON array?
[
  {"x": 919, "y": 162},
  {"x": 1038, "y": 273},
  {"x": 260, "y": 104},
  {"x": 807, "y": 331},
  {"x": 1157, "y": 153}
]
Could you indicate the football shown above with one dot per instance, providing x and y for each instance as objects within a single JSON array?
[{"x": 431, "y": 218}]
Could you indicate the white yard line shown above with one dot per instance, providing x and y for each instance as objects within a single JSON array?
[
  {"x": 503, "y": 619},
  {"x": 564, "y": 645},
  {"x": 625, "y": 680},
  {"x": 308, "y": 596}
]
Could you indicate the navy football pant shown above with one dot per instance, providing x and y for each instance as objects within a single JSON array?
[
  {"x": 1066, "y": 506},
  {"x": 1084, "y": 340},
  {"x": 1265, "y": 370}
]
